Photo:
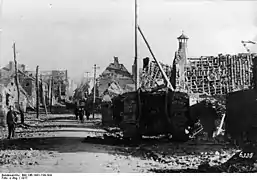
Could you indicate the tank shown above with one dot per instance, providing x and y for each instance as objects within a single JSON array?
[{"x": 152, "y": 113}]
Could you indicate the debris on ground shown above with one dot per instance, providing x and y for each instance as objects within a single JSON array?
[
  {"x": 156, "y": 154},
  {"x": 22, "y": 157},
  {"x": 233, "y": 165}
]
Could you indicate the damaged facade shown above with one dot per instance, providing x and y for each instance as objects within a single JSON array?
[
  {"x": 151, "y": 76},
  {"x": 27, "y": 82},
  {"x": 115, "y": 74},
  {"x": 58, "y": 79},
  {"x": 9, "y": 95},
  {"x": 211, "y": 75}
]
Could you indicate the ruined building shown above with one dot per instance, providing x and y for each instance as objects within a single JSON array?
[
  {"x": 151, "y": 76},
  {"x": 115, "y": 72},
  {"x": 7, "y": 81},
  {"x": 59, "y": 81},
  {"x": 211, "y": 75}
]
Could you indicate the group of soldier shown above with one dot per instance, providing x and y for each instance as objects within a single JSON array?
[{"x": 84, "y": 107}]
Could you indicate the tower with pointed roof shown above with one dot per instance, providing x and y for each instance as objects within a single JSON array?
[
  {"x": 182, "y": 42},
  {"x": 181, "y": 60}
]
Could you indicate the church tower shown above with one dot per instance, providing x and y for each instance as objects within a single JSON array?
[
  {"x": 181, "y": 60},
  {"x": 182, "y": 48}
]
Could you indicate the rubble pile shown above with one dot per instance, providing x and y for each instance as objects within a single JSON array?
[
  {"x": 235, "y": 164},
  {"x": 186, "y": 157},
  {"x": 22, "y": 157},
  {"x": 218, "y": 102}
]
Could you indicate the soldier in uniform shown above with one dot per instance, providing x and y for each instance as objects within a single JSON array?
[
  {"x": 11, "y": 122},
  {"x": 76, "y": 110},
  {"x": 107, "y": 98}
]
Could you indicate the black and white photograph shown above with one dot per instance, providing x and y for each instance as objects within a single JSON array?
[{"x": 127, "y": 86}]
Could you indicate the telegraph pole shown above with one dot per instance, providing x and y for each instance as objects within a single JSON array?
[
  {"x": 136, "y": 61},
  {"x": 43, "y": 95},
  {"x": 87, "y": 72},
  {"x": 17, "y": 83},
  {"x": 37, "y": 93},
  {"x": 51, "y": 91},
  {"x": 94, "y": 93},
  {"x": 16, "y": 74},
  {"x": 1, "y": 17}
]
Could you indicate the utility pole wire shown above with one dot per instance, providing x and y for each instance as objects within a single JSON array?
[
  {"x": 17, "y": 82},
  {"x": 37, "y": 93},
  {"x": 136, "y": 60},
  {"x": 95, "y": 67}
]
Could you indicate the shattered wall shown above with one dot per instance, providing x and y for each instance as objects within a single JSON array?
[
  {"x": 13, "y": 99},
  {"x": 60, "y": 82},
  {"x": 151, "y": 76},
  {"x": 114, "y": 72},
  {"x": 28, "y": 85},
  {"x": 219, "y": 75},
  {"x": 205, "y": 75},
  {"x": 3, "y": 106}
]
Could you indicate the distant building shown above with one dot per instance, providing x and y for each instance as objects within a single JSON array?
[
  {"x": 27, "y": 81},
  {"x": 9, "y": 69},
  {"x": 116, "y": 69},
  {"x": 71, "y": 88},
  {"x": 60, "y": 82},
  {"x": 7, "y": 82},
  {"x": 114, "y": 72}
]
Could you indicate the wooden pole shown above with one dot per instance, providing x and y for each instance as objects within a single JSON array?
[
  {"x": 17, "y": 83},
  {"x": 221, "y": 124},
  {"x": 136, "y": 61},
  {"x": 59, "y": 91},
  {"x": 49, "y": 92},
  {"x": 37, "y": 93},
  {"x": 94, "y": 91},
  {"x": 16, "y": 74},
  {"x": 159, "y": 65},
  {"x": 43, "y": 97},
  {"x": 51, "y": 97}
]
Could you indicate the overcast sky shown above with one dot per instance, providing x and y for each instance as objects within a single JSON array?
[{"x": 75, "y": 34}]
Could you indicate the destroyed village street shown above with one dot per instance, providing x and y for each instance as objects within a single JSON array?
[{"x": 64, "y": 145}]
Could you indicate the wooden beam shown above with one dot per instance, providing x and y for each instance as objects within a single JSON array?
[
  {"x": 51, "y": 100},
  {"x": 160, "y": 67},
  {"x": 37, "y": 93},
  {"x": 43, "y": 97},
  {"x": 17, "y": 83}
]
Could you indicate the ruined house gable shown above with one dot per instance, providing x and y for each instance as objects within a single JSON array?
[
  {"x": 114, "y": 72},
  {"x": 116, "y": 69}
]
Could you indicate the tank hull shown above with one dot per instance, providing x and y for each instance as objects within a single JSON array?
[{"x": 152, "y": 113}]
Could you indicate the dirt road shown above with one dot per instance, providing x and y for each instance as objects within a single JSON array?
[
  {"x": 59, "y": 146},
  {"x": 60, "y": 150}
]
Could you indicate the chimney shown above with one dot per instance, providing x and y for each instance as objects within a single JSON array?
[
  {"x": 146, "y": 63},
  {"x": 11, "y": 66},
  {"x": 116, "y": 61},
  {"x": 22, "y": 67},
  {"x": 66, "y": 75}
]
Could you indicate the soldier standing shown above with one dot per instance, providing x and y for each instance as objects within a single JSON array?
[{"x": 11, "y": 122}]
